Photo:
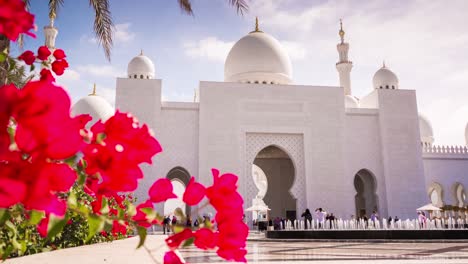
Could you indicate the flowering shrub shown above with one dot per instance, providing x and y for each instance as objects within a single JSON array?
[{"x": 63, "y": 185}]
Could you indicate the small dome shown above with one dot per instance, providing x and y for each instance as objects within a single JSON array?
[
  {"x": 385, "y": 79},
  {"x": 140, "y": 67},
  {"x": 94, "y": 105},
  {"x": 425, "y": 131},
  {"x": 258, "y": 58},
  {"x": 351, "y": 102}
]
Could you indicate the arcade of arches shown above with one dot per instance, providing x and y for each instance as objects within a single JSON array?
[
  {"x": 366, "y": 198},
  {"x": 279, "y": 170}
]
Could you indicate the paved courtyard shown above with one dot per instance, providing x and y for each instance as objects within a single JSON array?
[
  {"x": 342, "y": 252},
  {"x": 261, "y": 251}
]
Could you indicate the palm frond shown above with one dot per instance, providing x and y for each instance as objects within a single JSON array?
[
  {"x": 241, "y": 6},
  {"x": 54, "y": 6},
  {"x": 186, "y": 6},
  {"x": 103, "y": 25}
]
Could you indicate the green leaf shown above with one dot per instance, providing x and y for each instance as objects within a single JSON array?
[
  {"x": 4, "y": 216},
  {"x": 3, "y": 57},
  {"x": 56, "y": 225},
  {"x": 105, "y": 206},
  {"x": 35, "y": 217},
  {"x": 142, "y": 234},
  {"x": 71, "y": 201},
  {"x": 32, "y": 68},
  {"x": 178, "y": 229},
  {"x": 188, "y": 242},
  {"x": 131, "y": 209},
  {"x": 96, "y": 224}
]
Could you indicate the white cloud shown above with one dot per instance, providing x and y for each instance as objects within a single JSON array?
[
  {"x": 210, "y": 48},
  {"x": 295, "y": 50},
  {"x": 122, "y": 33},
  {"x": 100, "y": 70}
]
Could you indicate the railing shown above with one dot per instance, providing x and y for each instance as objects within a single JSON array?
[
  {"x": 384, "y": 224},
  {"x": 444, "y": 151}
]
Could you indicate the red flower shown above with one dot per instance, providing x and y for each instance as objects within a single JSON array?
[
  {"x": 47, "y": 76},
  {"x": 116, "y": 150},
  {"x": 35, "y": 185},
  {"x": 14, "y": 19},
  {"x": 205, "y": 238},
  {"x": 140, "y": 216},
  {"x": 59, "y": 66},
  {"x": 43, "y": 226},
  {"x": 174, "y": 241},
  {"x": 119, "y": 228},
  {"x": 43, "y": 53},
  {"x": 171, "y": 258},
  {"x": 28, "y": 57},
  {"x": 59, "y": 54},
  {"x": 41, "y": 103},
  {"x": 161, "y": 190},
  {"x": 194, "y": 192}
]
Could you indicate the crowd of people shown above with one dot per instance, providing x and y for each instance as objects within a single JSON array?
[{"x": 170, "y": 222}]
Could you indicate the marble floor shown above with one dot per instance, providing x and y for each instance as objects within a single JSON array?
[{"x": 342, "y": 252}]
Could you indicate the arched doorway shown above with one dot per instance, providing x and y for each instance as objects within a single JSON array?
[
  {"x": 279, "y": 170},
  {"x": 179, "y": 178},
  {"x": 459, "y": 194},
  {"x": 366, "y": 198},
  {"x": 435, "y": 193}
]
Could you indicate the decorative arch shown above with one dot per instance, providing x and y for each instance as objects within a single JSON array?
[
  {"x": 181, "y": 175},
  {"x": 292, "y": 145},
  {"x": 366, "y": 198},
  {"x": 435, "y": 193},
  {"x": 459, "y": 194}
]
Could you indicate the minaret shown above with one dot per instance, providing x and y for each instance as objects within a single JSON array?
[
  {"x": 344, "y": 66},
  {"x": 50, "y": 33}
]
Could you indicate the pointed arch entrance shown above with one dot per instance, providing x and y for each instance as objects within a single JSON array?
[
  {"x": 180, "y": 178},
  {"x": 366, "y": 198},
  {"x": 279, "y": 170}
]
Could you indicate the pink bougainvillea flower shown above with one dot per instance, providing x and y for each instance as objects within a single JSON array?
[
  {"x": 28, "y": 57},
  {"x": 161, "y": 190},
  {"x": 59, "y": 66},
  {"x": 39, "y": 103},
  {"x": 15, "y": 19},
  {"x": 46, "y": 75},
  {"x": 140, "y": 218},
  {"x": 116, "y": 150},
  {"x": 205, "y": 238},
  {"x": 171, "y": 258},
  {"x": 11, "y": 191},
  {"x": 43, "y": 53},
  {"x": 175, "y": 240},
  {"x": 59, "y": 54},
  {"x": 119, "y": 228},
  {"x": 194, "y": 192},
  {"x": 43, "y": 226},
  {"x": 233, "y": 232}
]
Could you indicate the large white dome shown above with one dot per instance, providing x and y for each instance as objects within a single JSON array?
[
  {"x": 384, "y": 78},
  {"x": 94, "y": 105},
  {"x": 258, "y": 58},
  {"x": 140, "y": 67},
  {"x": 425, "y": 131}
]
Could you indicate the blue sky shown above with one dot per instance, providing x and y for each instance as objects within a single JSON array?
[{"x": 424, "y": 42}]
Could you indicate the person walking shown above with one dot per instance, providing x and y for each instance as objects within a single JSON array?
[
  {"x": 166, "y": 224},
  {"x": 307, "y": 217}
]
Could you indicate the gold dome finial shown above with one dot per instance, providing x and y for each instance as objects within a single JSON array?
[
  {"x": 94, "y": 90},
  {"x": 383, "y": 64},
  {"x": 141, "y": 52},
  {"x": 341, "y": 32},
  {"x": 256, "y": 26}
]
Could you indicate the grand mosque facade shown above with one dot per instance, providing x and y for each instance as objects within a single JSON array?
[{"x": 294, "y": 146}]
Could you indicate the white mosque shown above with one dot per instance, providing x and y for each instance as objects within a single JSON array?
[{"x": 294, "y": 146}]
